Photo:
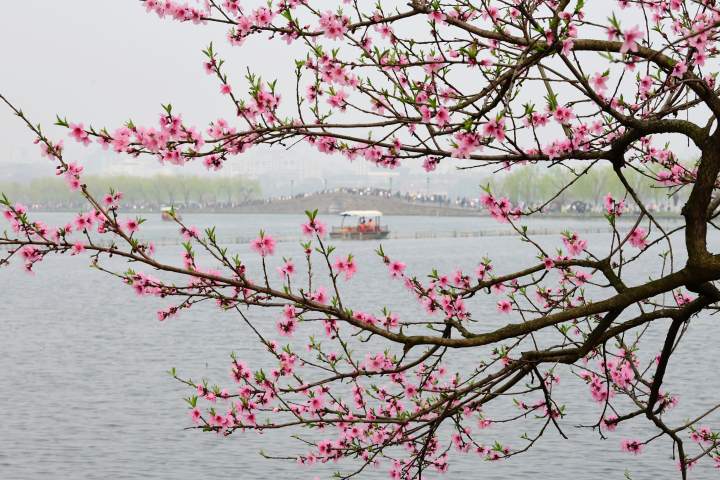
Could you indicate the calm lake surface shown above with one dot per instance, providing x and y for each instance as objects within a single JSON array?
[{"x": 84, "y": 361}]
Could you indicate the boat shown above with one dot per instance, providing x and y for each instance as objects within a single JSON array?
[
  {"x": 169, "y": 214},
  {"x": 363, "y": 225}
]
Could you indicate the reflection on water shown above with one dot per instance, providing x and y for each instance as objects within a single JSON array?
[{"x": 86, "y": 394}]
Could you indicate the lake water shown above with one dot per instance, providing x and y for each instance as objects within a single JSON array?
[{"x": 85, "y": 393}]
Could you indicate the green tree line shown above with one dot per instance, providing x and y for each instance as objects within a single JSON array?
[
  {"x": 537, "y": 184},
  {"x": 187, "y": 190}
]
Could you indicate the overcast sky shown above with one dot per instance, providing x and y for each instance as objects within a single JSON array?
[
  {"x": 104, "y": 61},
  {"x": 101, "y": 60}
]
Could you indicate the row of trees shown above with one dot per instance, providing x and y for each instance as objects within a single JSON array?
[
  {"x": 186, "y": 190},
  {"x": 530, "y": 186},
  {"x": 535, "y": 184}
]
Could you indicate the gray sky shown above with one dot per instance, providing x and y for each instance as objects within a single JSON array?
[{"x": 104, "y": 61}]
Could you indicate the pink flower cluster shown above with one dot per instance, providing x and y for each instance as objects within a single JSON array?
[
  {"x": 632, "y": 446},
  {"x": 334, "y": 26},
  {"x": 637, "y": 237},
  {"x": 178, "y": 11},
  {"x": 575, "y": 246},
  {"x": 613, "y": 207},
  {"x": 314, "y": 228},
  {"x": 346, "y": 266},
  {"x": 500, "y": 208},
  {"x": 287, "y": 326},
  {"x": 264, "y": 245}
]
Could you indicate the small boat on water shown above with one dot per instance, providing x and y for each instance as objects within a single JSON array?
[
  {"x": 169, "y": 215},
  {"x": 360, "y": 225}
]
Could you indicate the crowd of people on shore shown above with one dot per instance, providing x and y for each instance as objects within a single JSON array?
[
  {"x": 564, "y": 206},
  {"x": 435, "y": 199}
]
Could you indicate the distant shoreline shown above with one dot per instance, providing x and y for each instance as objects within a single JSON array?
[
  {"x": 331, "y": 203},
  {"x": 458, "y": 213}
]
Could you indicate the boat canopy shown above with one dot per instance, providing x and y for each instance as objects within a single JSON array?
[{"x": 361, "y": 213}]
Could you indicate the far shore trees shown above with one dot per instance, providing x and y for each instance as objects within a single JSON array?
[{"x": 153, "y": 191}]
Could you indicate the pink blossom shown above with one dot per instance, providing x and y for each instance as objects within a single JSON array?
[
  {"x": 314, "y": 227},
  {"x": 578, "y": 278},
  {"x": 334, "y": 26},
  {"x": 646, "y": 84},
  {"x": 630, "y": 39},
  {"x": 77, "y": 131},
  {"x": 702, "y": 435},
  {"x": 391, "y": 321},
  {"x": 495, "y": 129},
  {"x": 436, "y": 16},
  {"x": 679, "y": 70},
  {"x": 637, "y": 238},
  {"x": 262, "y": 16},
  {"x": 609, "y": 423},
  {"x": 563, "y": 115},
  {"x": 442, "y": 117},
  {"x": 338, "y": 100},
  {"x": 82, "y": 222},
  {"x": 574, "y": 245},
  {"x": 319, "y": 296},
  {"x": 20, "y": 209},
  {"x": 396, "y": 268},
  {"x": 264, "y": 245},
  {"x": 112, "y": 200},
  {"x": 504, "y": 306},
  {"x": 682, "y": 298},
  {"x": 632, "y": 446},
  {"x": 612, "y": 206},
  {"x": 536, "y": 119},
  {"x": 346, "y": 266},
  {"x": 195, "y": 415},
  {"x": 465, "y": 144},
  {"x": 499, "y": 208},
  {"x": 132, "y": 225},
  {"x": 599, "y": 82},
  {"x": 481, "y": 270},
  {"x": 287, "y": 270},
  {"x": 213, "y": 162},
  {"x": 77, "y": 248},
  {"x": 30, "y": 255},
  {"x": 189, "y": 233},
  {"x": 287, "y": 326}
]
